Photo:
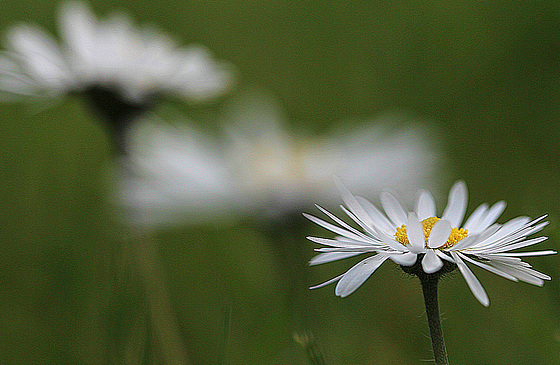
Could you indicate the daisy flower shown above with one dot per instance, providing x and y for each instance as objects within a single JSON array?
[
  {"x": 119, "y": 69},
  {"x": 173, "y": 174},
  {"x": 278, "y": 170},
  {"x": 424, "y": 243},
  {"x": 260, "y": 168},
  {"x": 138, "y": 63}
]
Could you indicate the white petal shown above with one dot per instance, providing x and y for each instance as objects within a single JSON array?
[
  {"x": 77, "y": 26},
  {"x": 359, "y": 273},
  {"x": 475, "y": 218},
  {"x": 508, "y": 228},
  {"x": 341, "y": 242},
  {"x": 439, "y": 234},
  {"x": 443, "y": 256},
  {"x": 198, "y": 75},
  {"x": 393, "y": 209},
  {"x": 359, "y": 249},
  {"x": 465, "y": 242},
  {"x": 353, "y": 204},
  {"x": 327, "y": 282},
  {"x": 488, "y": 267},
  {"x": 344, "y": 224},
  {"x": 333, "y": 228},
  {"x": 456, "y": 204},
  {"x": 42, "y": 56},
  {"x": 522, "y": 273},
  {"x": 368, "y": 228},
  {"x": 415, "y": 234},
  {"x": 493, "y": 213},
  {"x": 477, "y": 240},
  {"x": 533, "y": 253},
  {"x": 391, "y": 242},
  {"x": 331, "y": 256},
  {"x": 517, "y": 245},
  {"x": 379, "y": 218},
  {"x": 473, "y": 283},
  {"x": 425, "y": 205},
  {"x": 407, "y": 259},
  {"x": 18, "y": 84},
  {"x": 431, "y": 262}
]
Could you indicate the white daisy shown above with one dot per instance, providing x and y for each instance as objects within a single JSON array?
[
  {"x": 278, "y": 171},
  {"x": 173, "y": 174},
  {"x": 268, "y": 170},
  {"x": 427, "y": 243},
  {"x": 111, "y": 54}
]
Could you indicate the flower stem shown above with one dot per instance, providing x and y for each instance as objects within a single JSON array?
[
  {"x": 162, "y": 316},
  {"x": 117, "y": 112},
  {"x": 429, "y": 289}
]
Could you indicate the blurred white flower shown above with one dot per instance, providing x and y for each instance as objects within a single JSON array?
[
  {"x": 172, "y": 175},
  {"x": 260, "y": 169},
  {"x": 112, "y": 54},
  {"x": 406, "y": 238},
  {"x": 277, "y": 171}
]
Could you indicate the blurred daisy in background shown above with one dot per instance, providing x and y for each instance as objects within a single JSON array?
[
  {"x": 423, "y": 243},
  {"x": 278, "y": 171},
  {"x": 174, "y": 174},
  {"x": 119, "y": 68},
  {"x": 259, "y": 168}
]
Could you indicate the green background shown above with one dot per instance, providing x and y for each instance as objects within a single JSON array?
[{"x": 486, "y": 75}]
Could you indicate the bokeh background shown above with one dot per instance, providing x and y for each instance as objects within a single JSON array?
[{"x": 484, "y": 75}]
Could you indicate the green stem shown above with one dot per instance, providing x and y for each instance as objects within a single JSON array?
[
  {"x": 117, "y": 112},
  {"x": 163, "y": 320},
  {"x": 429, "y": 289}
]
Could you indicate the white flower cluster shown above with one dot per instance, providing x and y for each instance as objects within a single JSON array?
[
  {"x": 171, "y": 174},
  {"x": 177, "y": 174}
]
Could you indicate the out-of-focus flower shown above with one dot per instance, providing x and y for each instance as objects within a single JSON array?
[
  {"x": 119, "y": 69},
  {"x": 278, "y": 171},
  {"x": 261, "y": 169},
  {"x": 111, "y": 54},
  {"x": 422, "y": 240},
  {"x": 174, "y": 174}
]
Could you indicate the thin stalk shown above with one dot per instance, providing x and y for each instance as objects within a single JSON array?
[
  {"x": 429, "y": 289},
  {"x": 162, "y": 316},
  {"x": 116, "y": 112}
]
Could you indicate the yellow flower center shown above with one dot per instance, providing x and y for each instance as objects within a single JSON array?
[{"x": 455, "y": 236}]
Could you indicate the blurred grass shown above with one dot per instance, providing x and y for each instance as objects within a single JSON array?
[{"x": 486, "y": 74}]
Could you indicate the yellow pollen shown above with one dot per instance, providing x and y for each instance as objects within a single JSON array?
[{"x": 455, "y": 236}]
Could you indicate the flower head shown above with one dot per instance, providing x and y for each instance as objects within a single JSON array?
[
  {"x": 120, "y": 70},
  {"x": 268, "y": 170},
  {"x": 108, "y": 56},
  {"x": 423, "y": 243},
  {"x": 173, "y": 174}
]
